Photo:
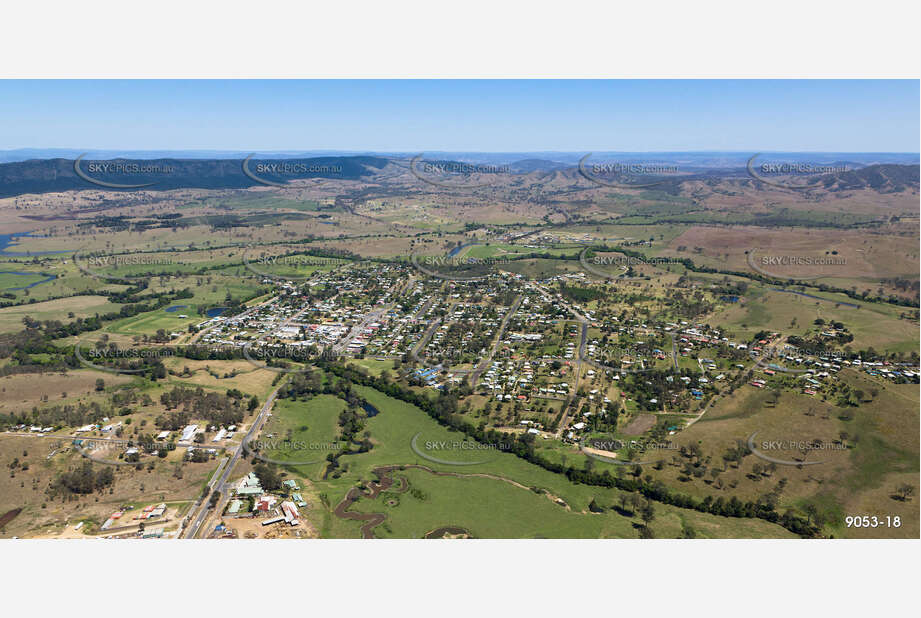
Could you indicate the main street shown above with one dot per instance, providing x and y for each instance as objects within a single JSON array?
[{"x": 199, "y": 510}]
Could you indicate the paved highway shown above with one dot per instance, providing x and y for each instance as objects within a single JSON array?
[{"x": 200, "y": 509}]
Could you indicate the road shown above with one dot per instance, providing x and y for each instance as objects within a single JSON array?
[
  {"x": 200, "y": 510},
  {"x": 245, "y": 314},
  {"x": 703, "y": 411},
  {"x": 433, "y": 326},
  {"x": 373, "y": 316},
  {"x": 484, "y": 364}
]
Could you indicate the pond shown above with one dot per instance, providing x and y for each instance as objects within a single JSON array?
[
  {"x": 10, "y": 239},
  {"x": 27, "y": 274}
]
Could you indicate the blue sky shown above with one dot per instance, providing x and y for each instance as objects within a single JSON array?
[{"x": 480, "y": 115}]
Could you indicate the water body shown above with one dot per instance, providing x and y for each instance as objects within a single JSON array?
[
  {"x": 457, "y": 250},
  {"x": 371, "y": 410},
  {"x": 839, "y": 302},
  {"x": 10, "y": 239},
  {"x": 213, "y": 312},
  {"x": 25, "y": 274},
  {"x": 175, "y": 308}
]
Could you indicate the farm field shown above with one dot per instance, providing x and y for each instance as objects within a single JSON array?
[
  {"x": 23, "y": 392},
  {"x": 79, "y": 306},
  {"x": 42, "y": 516},
  {"x": 393, "y": 431},
  {"x": 502, "y": 511},
  {"x": 641, "y": 363}
]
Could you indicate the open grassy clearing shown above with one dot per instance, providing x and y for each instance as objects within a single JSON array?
[
  {"x": 22, "y": 392},
  {"x": 392, "y": 432},
  {"x": 221, "y": 375},
  {"x": 303, "y": 430},
  {"x": 873, "y": 324},
  {"x": 882, "y": 448},
  {"x": 42, "y": 516},
  {"x": 79, "y": 306}
]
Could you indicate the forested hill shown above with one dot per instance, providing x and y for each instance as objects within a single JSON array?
[{"x": 47, "y": 175}]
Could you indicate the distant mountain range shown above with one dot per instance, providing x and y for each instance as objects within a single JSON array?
[
  {"x": 692, "y": 159},
  {"x": 882, "y": 178},
  {"x": 46, "y": 175},
  {"x": 93, "y": 171}
]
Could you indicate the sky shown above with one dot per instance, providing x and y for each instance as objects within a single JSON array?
[{"x": 463, "y": 115}]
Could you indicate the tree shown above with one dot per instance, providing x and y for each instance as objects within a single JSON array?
[
  {"x": 635, "y": 502},
  {"x": 647, "y": 513},
  {"x": 811, "y": 512},
  {"x": 268, "y": 477},
  {"x": 905, "y": 492}
]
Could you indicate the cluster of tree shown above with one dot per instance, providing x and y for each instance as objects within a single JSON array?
[
  {"x": 71, "y": 414},
  {"x": 351, "y": 421},
  {"x": 444, "y": 410},
  {"x": 269, "y": 478},
  {"x": 23, "y": 343},
  {"x": 903, "y": 284},
  {"x": 81, "y": 480},
  {"x": 580, "y": 295},
  {"x": 217, "y": 408},
  {"x": 689, "y": 305},
  {"x": 131, "y": 302},
  {"x": 748, "y": 274}
]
